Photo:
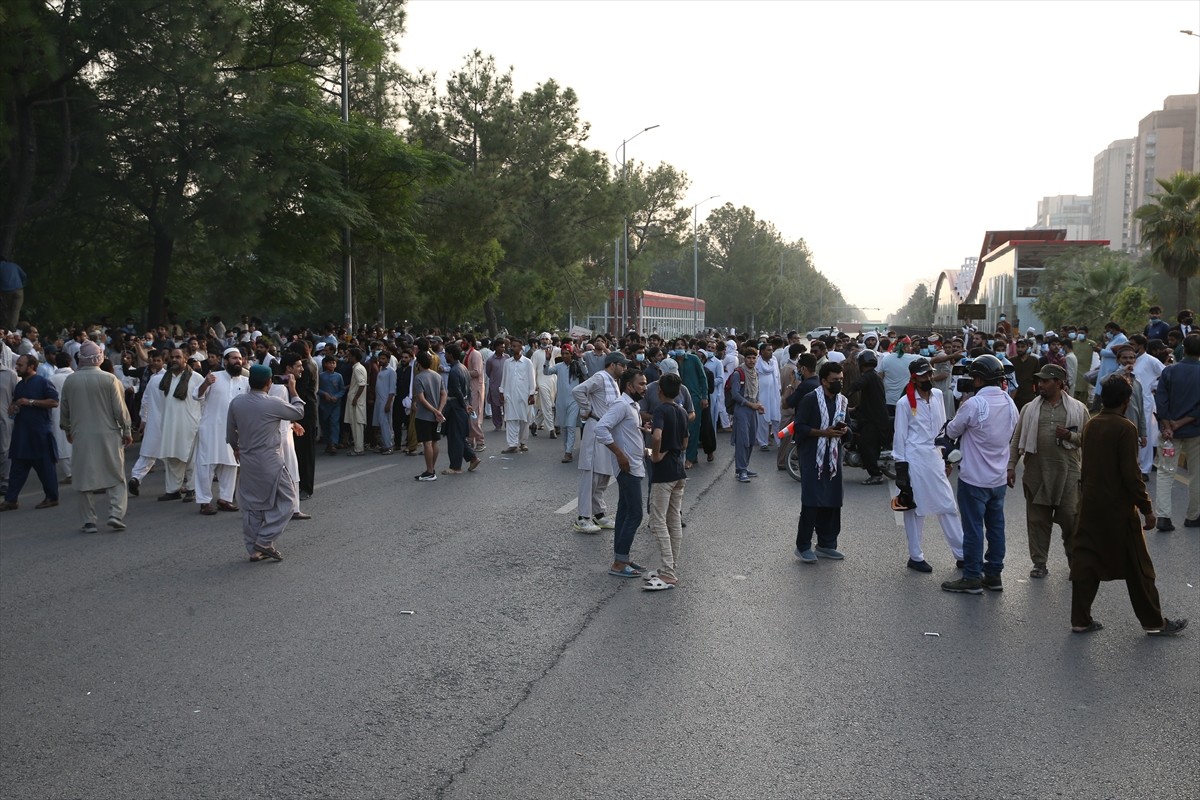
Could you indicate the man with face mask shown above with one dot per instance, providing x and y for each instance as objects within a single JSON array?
[
  {"x": 820, "y": 426},
  {"x": 921, "y": 472},
  {"x": 180, "y": 422},
  {"x": 1114, "y": 338},
  {"x": 214, "y": 456},
  {"x": 1047, "y": 437},
  {"x": 32, "y": 446},
  {"x": 1157, "y": 327}
]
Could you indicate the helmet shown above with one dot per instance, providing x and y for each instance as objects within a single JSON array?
[
  {"x": 987, "y": 368},
  {"x": 920, "y": 366},
  {"x": 867, "y": 357}
]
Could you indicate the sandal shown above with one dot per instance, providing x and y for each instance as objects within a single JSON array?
[
  {"x": 1039, "y": 571},
  {"x": 625, "y": 572},
  {"x": 656, "y": 584},
  {"x": 1095, "y": 626},
  {"x": 270, "y": 552},
  {"x": 257, "y": 557}
]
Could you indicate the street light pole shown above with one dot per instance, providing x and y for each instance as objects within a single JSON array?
[
  {"x": 696, "y": 264},
  {"x": 625, "y": 236}
]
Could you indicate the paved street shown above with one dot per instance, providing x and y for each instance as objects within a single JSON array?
[{"x": 158, "y": 663}]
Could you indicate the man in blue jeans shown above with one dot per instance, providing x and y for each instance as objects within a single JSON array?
[
  {"x": 985, "y": 422},
  {"x": 620, "y": 430}
]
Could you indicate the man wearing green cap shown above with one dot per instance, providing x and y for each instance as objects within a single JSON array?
[{"x": 266, "y": 492}]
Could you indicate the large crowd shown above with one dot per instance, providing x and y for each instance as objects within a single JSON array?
[{"x": 208, "y": 399}]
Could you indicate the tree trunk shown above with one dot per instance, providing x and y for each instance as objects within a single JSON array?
[
  {"x": 156, "y": 310},
  {"x": 489, "y": 311},
  {"x": 1181, "y": 284}
]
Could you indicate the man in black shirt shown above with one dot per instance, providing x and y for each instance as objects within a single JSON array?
[
  {"x": 668, "y": 443},
  {"x": 873, "y": 422}
]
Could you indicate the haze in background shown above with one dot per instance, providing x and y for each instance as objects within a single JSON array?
[{"x": 889, "y": 136}]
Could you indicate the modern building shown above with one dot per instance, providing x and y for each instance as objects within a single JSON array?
[
  {"x": 1112, "y": 194},
  {"x": 1005, "y": 277},
  {"x": 1166, "y": 144},
  {"x": 653, "y": 312},
  {"x": 1070, "y": 212}
]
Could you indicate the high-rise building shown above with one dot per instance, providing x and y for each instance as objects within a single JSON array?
[
  {"x": 1069, "y": 212},
  {"x": 1166, "y": 144},
  {"x": 1112, "y": 194}
]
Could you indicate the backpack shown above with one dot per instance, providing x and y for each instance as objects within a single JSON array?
[{"x": 730, "y": 404}]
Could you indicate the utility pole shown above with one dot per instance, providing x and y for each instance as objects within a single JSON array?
[{"x": 347, "y": 261}]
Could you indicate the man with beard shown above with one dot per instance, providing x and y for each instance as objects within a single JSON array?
[
  {"x": 32, "y": 446},
  {"x": 620, "y": 430},
  {"x": 94, "y": 416},
  {"x": 177, "y": 426},
  {"x": 872, "y": 416},
  {"x": 306, "y": 446},
  {"x": 267, "y": 493},
  {"x": 495, "y": 376},
  {"x": 518, "y": 389},
  {"x": 1048, "y": 437},
  {"x": 62, "y": 368},
  {"x": 594, "y": 397},
  {"x": 213, "y": 453}
]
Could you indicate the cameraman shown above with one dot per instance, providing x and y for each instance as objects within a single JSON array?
[{"x": 985, "y": 423}]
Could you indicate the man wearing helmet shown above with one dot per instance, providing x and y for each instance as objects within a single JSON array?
[
  {"x": 985, "y": 422},
  {"x": 872, "y": 415},
  {"x": 921, "y": 472}
]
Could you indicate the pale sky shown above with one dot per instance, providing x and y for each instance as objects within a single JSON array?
[{"x": 889, "y": 136}]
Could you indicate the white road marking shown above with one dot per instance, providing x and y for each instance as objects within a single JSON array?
[
  {"x": 569, "y": 507},
  {"x": 353, "y": 475}
]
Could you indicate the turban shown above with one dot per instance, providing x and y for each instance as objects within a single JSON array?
[{"x": 90, "y": 354}]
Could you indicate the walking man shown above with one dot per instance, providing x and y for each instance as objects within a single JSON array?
[
  {"x": 32, "y": 446},
  {"x": 267, "y": 493},
  {"x": 620, "y": 430},
  {"x": 92, "y": 412},
  {"x": 985, "y": 422},
  {"x": 1048, "y": 435},
  {"x": 1109, "y": 544}
]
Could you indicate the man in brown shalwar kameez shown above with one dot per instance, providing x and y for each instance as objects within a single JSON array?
[
  {"x": 266, "y": 493},
  {"x": 1108, "y": 544}
]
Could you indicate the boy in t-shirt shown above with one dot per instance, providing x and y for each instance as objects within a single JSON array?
[{"x": 668, "y": 443}]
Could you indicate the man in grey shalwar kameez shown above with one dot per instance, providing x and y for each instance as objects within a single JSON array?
[{"x": 266, "y": 492}]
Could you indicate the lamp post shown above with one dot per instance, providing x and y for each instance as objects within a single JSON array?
[
  {"x": 625, "y": 239},
  {"x": 696, "y": 264}
]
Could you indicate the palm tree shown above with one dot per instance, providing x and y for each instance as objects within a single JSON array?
[{"x": 1171, "y": 227}]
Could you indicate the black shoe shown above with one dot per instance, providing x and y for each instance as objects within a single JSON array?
[
  {"x": 188, "y": 496},
  {"x": 1164, "y": 525},
  {"x": 1171, "y": 627},
  {"x": 920, "y": 566},
  {"x": 959, "y": 564},
  {"x": 1191, "y": 523},
  {"x": 992, "y": 583},
  {"x": 305, "y": 496},
  {"x": 169, "y": 496},
  {"x": 963, "y": 586},
  {"x": 135, "y": 486}
]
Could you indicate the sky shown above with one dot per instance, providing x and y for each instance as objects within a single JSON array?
[{"x": 888, "y": 135}]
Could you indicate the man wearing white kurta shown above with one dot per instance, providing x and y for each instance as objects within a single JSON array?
[
  {"x": 151, "y": 426},
  {"x": 728, "y": 364},
  {"x": 547, "y": 385},
  {"x": 180, "y": 423},
  {"x": 293, "y": 366},
  {"x": 716, "y": 400},
  {"x": 214, "y": 456},
  {"x": 768, "y": 395},
  {"x": 597, "y": 464},
  {"x": 356, "y": 402},
  {"x": 58, "y": 378},
  {"x": 518, "y": 390},
  {"x": 1147, "y": 369},
  {"x": 920, "y": 415}
]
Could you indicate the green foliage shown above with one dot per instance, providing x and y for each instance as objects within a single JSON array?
[
  {"x": 917, "y": 310},
  {"x": 1171, "y": 227},
  {"x": 1088, "y": 286}
]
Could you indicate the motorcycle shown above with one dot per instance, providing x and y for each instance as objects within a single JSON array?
[{"x": 851, "y": 457}]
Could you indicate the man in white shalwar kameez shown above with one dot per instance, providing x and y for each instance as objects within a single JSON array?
[
  {"x": 213, "y": 454},
  {"x": 267, "y": 493},
  {"x": 518, "y": 390},
  {"x": 920, "y": 415},
  {"x": 150, "y": 425},
  {"x": 768, "y": 394},
  {"x": 180, "y": 424},
  {"x": 547, "y": 385},
  {"x": 597, "y": 464},
  {"x": 292, "y": 365},
  {"x": 58, "y": 378}
]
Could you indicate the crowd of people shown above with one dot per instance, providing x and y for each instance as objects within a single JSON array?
[{"x": 207, "y": 399}]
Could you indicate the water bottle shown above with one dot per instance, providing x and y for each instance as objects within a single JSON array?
[{"x": 1170, "y": 457}]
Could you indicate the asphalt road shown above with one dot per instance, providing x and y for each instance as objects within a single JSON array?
[{"x": 158, "y": 663}]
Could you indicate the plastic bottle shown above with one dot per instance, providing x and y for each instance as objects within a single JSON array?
[{"x": 1169, "y": 457}]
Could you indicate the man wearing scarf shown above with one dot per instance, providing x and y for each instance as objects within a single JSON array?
[
  {"x": 213, "y": 454},
  {"x": 743, "y": 388},
  {"x": 180, "y": 420},
  {"x": 268, "y": 493},
  {"x": 92, "y": 412},
  {"x": 820, "y": 426}
]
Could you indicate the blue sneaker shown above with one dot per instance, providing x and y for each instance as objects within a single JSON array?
[
  {"x": 750, "y": 474},
  {"x": 829, "y": 552},
  {"x": 743, "y": 477},
  {"x": 807, "y": 556}
]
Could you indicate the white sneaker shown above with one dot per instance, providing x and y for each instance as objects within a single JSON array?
[
  {"x": 607, "y": 523},
  {"x": 585, "y": 525}
]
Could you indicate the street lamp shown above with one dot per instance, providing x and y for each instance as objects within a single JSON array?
[
  {"x": 625, "y": 239},
  {"x": 696, "y": 265}
]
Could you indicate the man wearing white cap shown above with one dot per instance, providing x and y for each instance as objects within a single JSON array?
[
  {"x": 547, "y": 385},
  {"x": 214, "y": 456}
]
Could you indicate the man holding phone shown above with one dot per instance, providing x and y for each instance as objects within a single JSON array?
[{"x": 1048, "y": 437}]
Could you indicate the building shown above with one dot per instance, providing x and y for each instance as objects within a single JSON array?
[
  {"x": 1070, "y": 212},
  {"x": 1112, "y": 194},
  {"x": 653, "y": 312},
  {"x": 951, "y": 289},
  {"x": 1166, "y": 144}
]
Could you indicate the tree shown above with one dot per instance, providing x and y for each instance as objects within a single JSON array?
[
  {"x": 1171, "y": 228},
  {"x": 917, "y": 311},
  {"x": 1087, "y": 286}
]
